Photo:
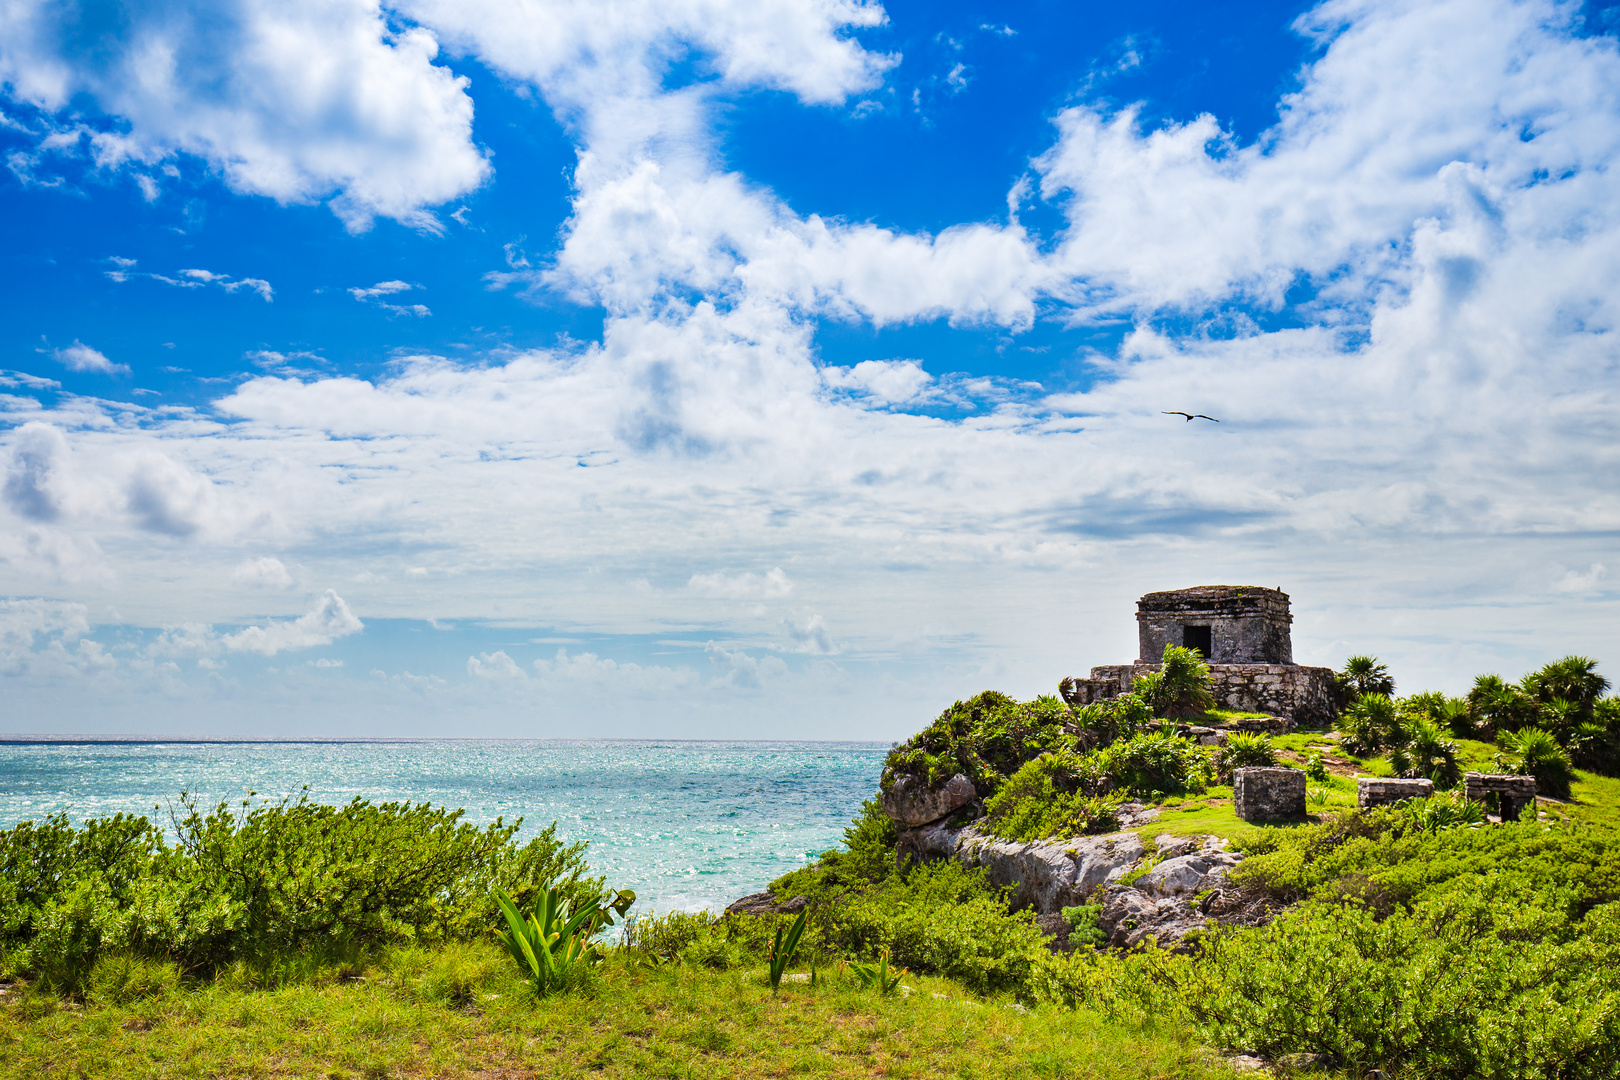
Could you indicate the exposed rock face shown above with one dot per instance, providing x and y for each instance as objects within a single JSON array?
[
  {"x": 765, "y": 903},
  {"x": 1373, "y": 792},
  {"x": 1051, "y": 875},
  {"x": 1165, "y": 903},
  {"x": 911, "y": 802},
  {"x": 1267, "y": 794}
]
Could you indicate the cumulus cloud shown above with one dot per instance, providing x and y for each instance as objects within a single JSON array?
[
  {"x": 81, "y": 357},
  {"x": 44, "y": 636},
  {"x": 167, "y": 496},
  {"x": 37, "y": 481},
  {"x": 740, "y": 671},
  {"x": 809, "y": 636},
  {"x": 327, "y": 621},
  {"x": 298, "y": 101},
  {"x": 262, "y": 573}
]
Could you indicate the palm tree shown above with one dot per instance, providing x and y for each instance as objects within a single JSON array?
[
  {"x": 1427, "y": 753},
  {"x": 1574, "y": 678},
  {"x": 1540, "y": 756},
  {"x": 1365, "y": 675},
  {"x": 1181, "y": 685}
]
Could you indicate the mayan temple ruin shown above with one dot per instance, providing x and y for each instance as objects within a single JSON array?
[{"x": 1242, "y": 631}]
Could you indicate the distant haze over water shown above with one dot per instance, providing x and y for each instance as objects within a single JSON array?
[{"x": 685, "y": 824}]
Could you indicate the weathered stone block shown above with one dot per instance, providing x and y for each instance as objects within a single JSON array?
[
  {"x": 1265, "y": 794},
  {"x": 1371, "y": 791},
  {"x": 1230, "y": 624},
  {"x": 1513, "y": 793}
]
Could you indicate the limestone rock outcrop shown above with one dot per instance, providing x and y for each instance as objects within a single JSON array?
[{"x": 910, "y": 802}]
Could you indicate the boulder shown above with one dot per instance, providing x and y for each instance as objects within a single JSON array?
[
  {"x": 1050, "y": 875},
  {"x": 1266, "y": 794},
  {"x": 765, "y": 903},
  {"x": 910, "y": 802}
]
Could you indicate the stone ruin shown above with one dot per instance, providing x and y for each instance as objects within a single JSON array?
[
  {"x": 1242, "y": 632},
  {"x": 1513, "y": 793},
  {"x": 1372, "y": 791},
  {"x": 1265, "y": 793}
]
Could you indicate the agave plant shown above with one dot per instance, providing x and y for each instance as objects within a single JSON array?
[
  {"x": 1439, "y": 812},
  {"x": 877, "y": 976},
  {"x": 553, "y": 944},
  {"x": 783, "y": 948},
  {"x": 1533, "y": 752}
]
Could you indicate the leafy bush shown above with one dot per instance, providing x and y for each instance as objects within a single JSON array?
[
  {"x": 1056, "y": 794},
  {"x": 288, "y": 878},
  {"x": 868, "y": 857},
  {"x": 1105, "y": 722},
  {"x": 986, "y": 738},
  {"x": 1426, "y": 754},
  {"x": 1181, "y": 685},
  {"x": 1533, "y": 752},
  {"x": 1152, "y": 766},
  {"x": 667, "y": 935},
  {"x": 1244, "y": 750},
  {"x": 942, "y": 919},
  {"x": 1370, "y": 724},
  {"x": 1083, "y": 923},
  {"x": 1442, "y": 811},
  {"x": 1315, "y": 768}
]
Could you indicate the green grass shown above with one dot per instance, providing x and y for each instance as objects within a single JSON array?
[
  {"x": 1220, "y": 716},
  {"x": 462, "y": 1012}
]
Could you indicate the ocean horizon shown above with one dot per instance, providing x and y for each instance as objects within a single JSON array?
[{"x": 689, "y": 824}]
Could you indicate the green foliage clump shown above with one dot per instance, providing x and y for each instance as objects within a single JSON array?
[
  {"x": 1363, "y": 675},
  {"x": 1533, "y": 752},
  {"x": 868, "y": 856},
  {"x": 985, "y": 738},
  {"x": 1056, "y": 794},
  {"x": 1370, "y": 724},
  {"x": 1083, "y": 921},
  {"x": 1244, "y": 750},
  {"x": 1156, "y": 765},
  {"x": 1426, "y": 753},
  {"x": 293, "y": 878},
  {"x": 1180, "y": 687},
  {"x": 943, "y": 919},
  {"x": 1315, "y": 769}
]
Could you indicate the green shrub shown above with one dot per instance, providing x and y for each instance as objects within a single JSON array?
[
  {"x": 1083, "y": 921},
  {"x": 1151, "y": 766},
  {"x": 1244, "y": 750},
  {"x": 986, "y": 738},
  {"x": 123, "y": 978},
  {"x": 1315, "y": 768},
  {"x": 1370, "y": 724},
  {"x": 942, "y": 919},
  {"x": 1181, "y": 685},
  {"x": 1056, "y": 794},
  {"x": 1533, "y": 752},
  {"x": 1426, "y": 754},
  {"x": 667, "y": 935},
  {"x": 281, "y": 884},
  {"x": 1106, "y": 722},
  {"x": 1443, "y": 811}
]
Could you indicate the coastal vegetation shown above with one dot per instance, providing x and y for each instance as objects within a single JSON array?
[{"x": 396, "y": 940}]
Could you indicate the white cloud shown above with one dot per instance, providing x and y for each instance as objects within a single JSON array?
[
  {"x": 740, "y": 671},
  {"x": 811, "y": 636},
  {"x": 889, "y": 382},
  {"x": 298, "y": 100},
  {"x": 382, "y": 288},
  {"x": 81, "y": 357},
  {"x": 37, "y": 482},
  {"x": 772, "y": 584},
  {"x": 1575, "y": 581},
  {"x": 496, "y": 665},
  {"x": 262, "y": 573},
  {"x": 327, "y": 621}
]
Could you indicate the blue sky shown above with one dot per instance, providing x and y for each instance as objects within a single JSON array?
[{"x": 795, "y": 367}]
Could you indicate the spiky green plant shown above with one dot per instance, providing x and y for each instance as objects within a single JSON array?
[
  {"x": 1574, "y": 679},
  {"x": 1181, "y": 685},
  {"x": 782, "y": 949},
  {"x": 1315, "y": 768},
  {"x": 1363, "y": 675},
  {"x": 1533, "y": 752},
  {"x": 877, "y": 976},
  {"x": 1440, "y": 812},
  {"x": 1370, "y": 724},
  {"x": 1426, "y": 754},
  {"x": 552, "y": 944},
  {"x": 1243, "y": 750}
]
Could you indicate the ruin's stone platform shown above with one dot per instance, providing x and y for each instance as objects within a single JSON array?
[{"x": 1306, "y": 695}]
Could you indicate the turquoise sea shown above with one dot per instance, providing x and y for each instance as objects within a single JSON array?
[{"x": 687, "y": 825}]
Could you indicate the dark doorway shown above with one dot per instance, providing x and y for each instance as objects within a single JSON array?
[{"x": 1198, "y": 639}]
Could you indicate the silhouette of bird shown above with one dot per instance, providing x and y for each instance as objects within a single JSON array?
[{"x": 1191, "y": 416}]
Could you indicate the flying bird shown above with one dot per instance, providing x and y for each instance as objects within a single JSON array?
[{"x": 1191, "y": 416}]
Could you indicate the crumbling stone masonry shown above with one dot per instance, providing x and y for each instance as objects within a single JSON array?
[
  {"x": 1371, "y": 791},
  {"x": 1243, "y": 632},
  {"x": 1266, "y": 794},
  {"x": 1513, "y": 793}
]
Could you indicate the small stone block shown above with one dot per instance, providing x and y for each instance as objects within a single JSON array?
[
  {"x": 1371, "y": 791},
  {"x": 1266, "y": 794}
]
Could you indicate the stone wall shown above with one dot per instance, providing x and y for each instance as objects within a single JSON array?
[
  {"x": 1513, "y": 793},
  {"x": 1371, "y": 791},
  {"x": 1306, "y": 695},
  {"x": 1247, "y": 624}
]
